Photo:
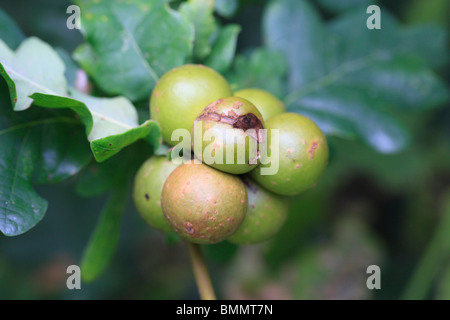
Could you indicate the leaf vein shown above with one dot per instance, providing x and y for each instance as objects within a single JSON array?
[{"x": 128, "y": 35}]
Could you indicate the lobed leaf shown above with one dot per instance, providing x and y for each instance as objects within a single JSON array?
[
  {"x": 261, "y": 68},
  {"x": 130, "y": 44},
  {"x": 369, "y": 120},
  {"x": 98, "y": 178},
  {"x": 71, "y": 67},
  {"x": 200, "y": 14},
  {"x": 36, "y": 147},
  {"x": 353, "y": 73},
  {"x": 224, "y": 48},
  {"x": 111, "y": 123},
  {"x": 34, "y": 67},
  {"x": 10, "y": 33}
]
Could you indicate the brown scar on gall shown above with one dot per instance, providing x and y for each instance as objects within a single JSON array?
[
  {"x": 312, "y": 149},
  {"x": 244, "y": 122},
  {"x": 189, "y": 228},
  {"x": 232, "y": 114},
  {"x": 212, "y": 107},
  {"x": 237, "y": 105}
]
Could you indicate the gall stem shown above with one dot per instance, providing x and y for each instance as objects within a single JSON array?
[{"x": 201, "y": 274}]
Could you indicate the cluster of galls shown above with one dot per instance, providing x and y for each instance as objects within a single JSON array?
[{"x": 211, "y": 202}]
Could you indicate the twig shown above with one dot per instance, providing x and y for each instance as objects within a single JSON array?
[{"x": 201, "y": 274}]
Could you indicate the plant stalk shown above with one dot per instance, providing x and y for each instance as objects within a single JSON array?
[{"x": 201, "y": 274}]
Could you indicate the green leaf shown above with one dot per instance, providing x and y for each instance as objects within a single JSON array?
[
  {"x": 154, "y": 138},
  {"x": 226, "y": 8},
  {"x": 106, "y": 147},
  {"x": 111, "y": 123},
  {"x": 224, "y": 48},
  {"x": 37, "y": 147},
  {"x": 346, "y": 5},
  {"x": 353, "y": 73},
  {"x": 425, "y": 41},
  {"x": 34, "y": 67},
  {"x": 130, "y": 44},
  {"x": 10, "y": 33},
  {"x": 368, "y": 118},
  {"x": 103, "y": 242},
  {"x": 330, "y": 123},
  {"x": 294, "y": 28},
  {"x": 98, "y": 178},
  {"x": 71, "y": 67},
  {"x": 58, "y": 102},
  {"x": 261, "y": 68},
  {"x": 401, "y": 82},
  {"x": 200, "y": 14},
  {"x": 429, "y": 42}
]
